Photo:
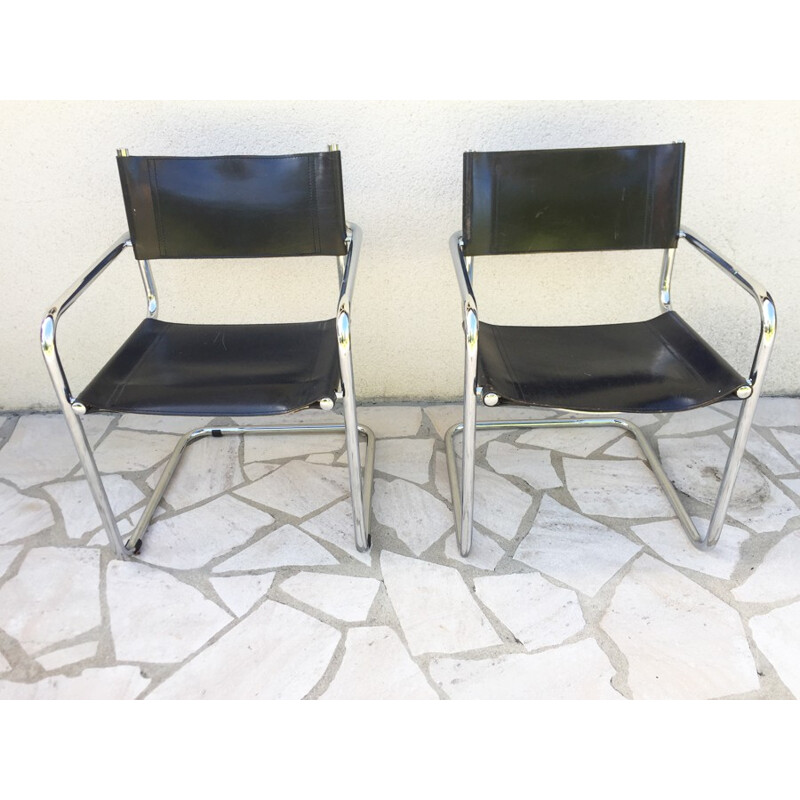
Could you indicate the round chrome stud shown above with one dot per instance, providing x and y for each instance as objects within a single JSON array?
[
  {"x": 326, "y": 404},
  {"x": 491, "y": 399},
  {"x": 744, "y": 392}
]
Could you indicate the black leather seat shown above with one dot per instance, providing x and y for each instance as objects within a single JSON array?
[
  {"x": 222, "y": 370},
  {"x": 224, "y": 207},
  {"x": 668, "y": 366},
  {"x": 592, "y": 199}
]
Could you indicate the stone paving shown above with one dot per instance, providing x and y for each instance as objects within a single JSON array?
[{"x": 580, "y": 584}]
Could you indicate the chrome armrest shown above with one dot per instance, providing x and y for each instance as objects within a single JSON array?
[
  {"x": 755, "y": 289},
  {"x": 51, "y": 317}
]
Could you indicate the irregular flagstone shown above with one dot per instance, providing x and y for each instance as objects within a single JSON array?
[
  {"x": 668, "y": 539},
  {"x": 314, "y": 458},
  {"x": 485, "y": 553},
  {"x": 732, "y": 407},
  {"x": 763, "y": 451},
  {"x": 793, "y": 486},
  {"x": 436, "y": 611},
  {"x": 499, "y": 505},
  {"x": 100, "y": 539},
  {"x": 625, "y": 447},
  {"x": 284, "y": 547},
  {"x": 777, "y": 578},
  {"x": 440, "y": 476},
  {"x": 416, "y": 515},
  {"x": 208, "y": 467},
  {"x": 335, "y": 525},
  {"x": 573, "y": 549},
  {"x": 404, "y": 458},
  {"x": 533, "y": 466},
  {"x": 696, "y": 465},
  {"x": 107, "y": 683},
  {"x": 241, "y": 592},
  {"x": 694, "y": 421},
  {"x": 443, "y": 417},
  {"x": 8, "y": 552},
  {"x": 536, "y": 612},
  {"x": 777, "y": 636},
  {"x": 155, "y": 617},
  {"x": 771, "y": 514},
  {"x": 195, "y": 537},
  {"x": 778, "y": 412},
  {"x": 258, "y": 469},
  {"x": 482, "y": 437},
  {"x": 573, "y": 441},
  {"x": 162, "y": 424},
  {"x": 791, "y": 441},
  {"x": 22, "y": 516},
  {"x": 54, "y": 596},
  {"x": 275, "y": 653},
  {"x": 40, "y": 448},
  {"x": 615, "y": 488},
  {"x": 68, "y": 655},
  {"x": 579, "y": 671},
  {"x": 391, "y": 421},
  {"x": 298, "y": 488},
  {"x": 362, "y": 454},
  {"x": 273, "y": 446},
  {"x": 340, "y": 596},
  {"x": 4, "y": 665},
  {"x": 133, "y": 451},
  {"x": 77, "y": 505},
  {"x": 681, "y": 642},
  {"x": 376, "y": 666}
]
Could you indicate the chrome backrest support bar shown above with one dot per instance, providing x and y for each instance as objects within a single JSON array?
[
  {"x": 350, "y": 267},
  {"x": 463, "y": 273}
]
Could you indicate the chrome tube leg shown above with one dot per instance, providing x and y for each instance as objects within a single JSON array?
[
  {"x": 134, "y": 541},
  {"x": 468, "y": 439},
  {"x": 95, "y": 482},
  {"x": 351, "y": 432},
  {"x": 738, "y": 446}
]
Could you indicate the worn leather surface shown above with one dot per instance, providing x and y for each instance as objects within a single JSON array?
[
  {"x": 234, "y": 206},
  {"x": 610, "y": 198},
  {"x": 660, "y": 364},
  {"x": 225, "y": 370}
]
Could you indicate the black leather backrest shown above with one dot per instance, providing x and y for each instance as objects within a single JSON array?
[
  {"x": 234, "y": 206},
  {"x": 609, "y": 198}
]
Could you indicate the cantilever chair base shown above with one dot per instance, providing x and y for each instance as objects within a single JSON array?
[
  {"x": 134, "y": 542},
  {"x": 222, "y": 207},
  {"x": 580, "y": 200},
  {"x": 700, "y": 541}
]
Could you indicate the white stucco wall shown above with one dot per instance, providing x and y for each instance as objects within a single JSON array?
[{"x": 60, "y": 206}]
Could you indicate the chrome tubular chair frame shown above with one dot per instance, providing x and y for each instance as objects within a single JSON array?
[
  {"x": 463, "y": 494},
  {"x": 361, "y": 484}
]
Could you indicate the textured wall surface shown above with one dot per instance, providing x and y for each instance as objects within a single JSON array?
[{"x": 60, "y": 206}]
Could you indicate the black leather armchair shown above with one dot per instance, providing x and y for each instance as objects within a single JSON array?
[
  {"x": 594, "y": 199},
  {"x": 224, "y": 207}
]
